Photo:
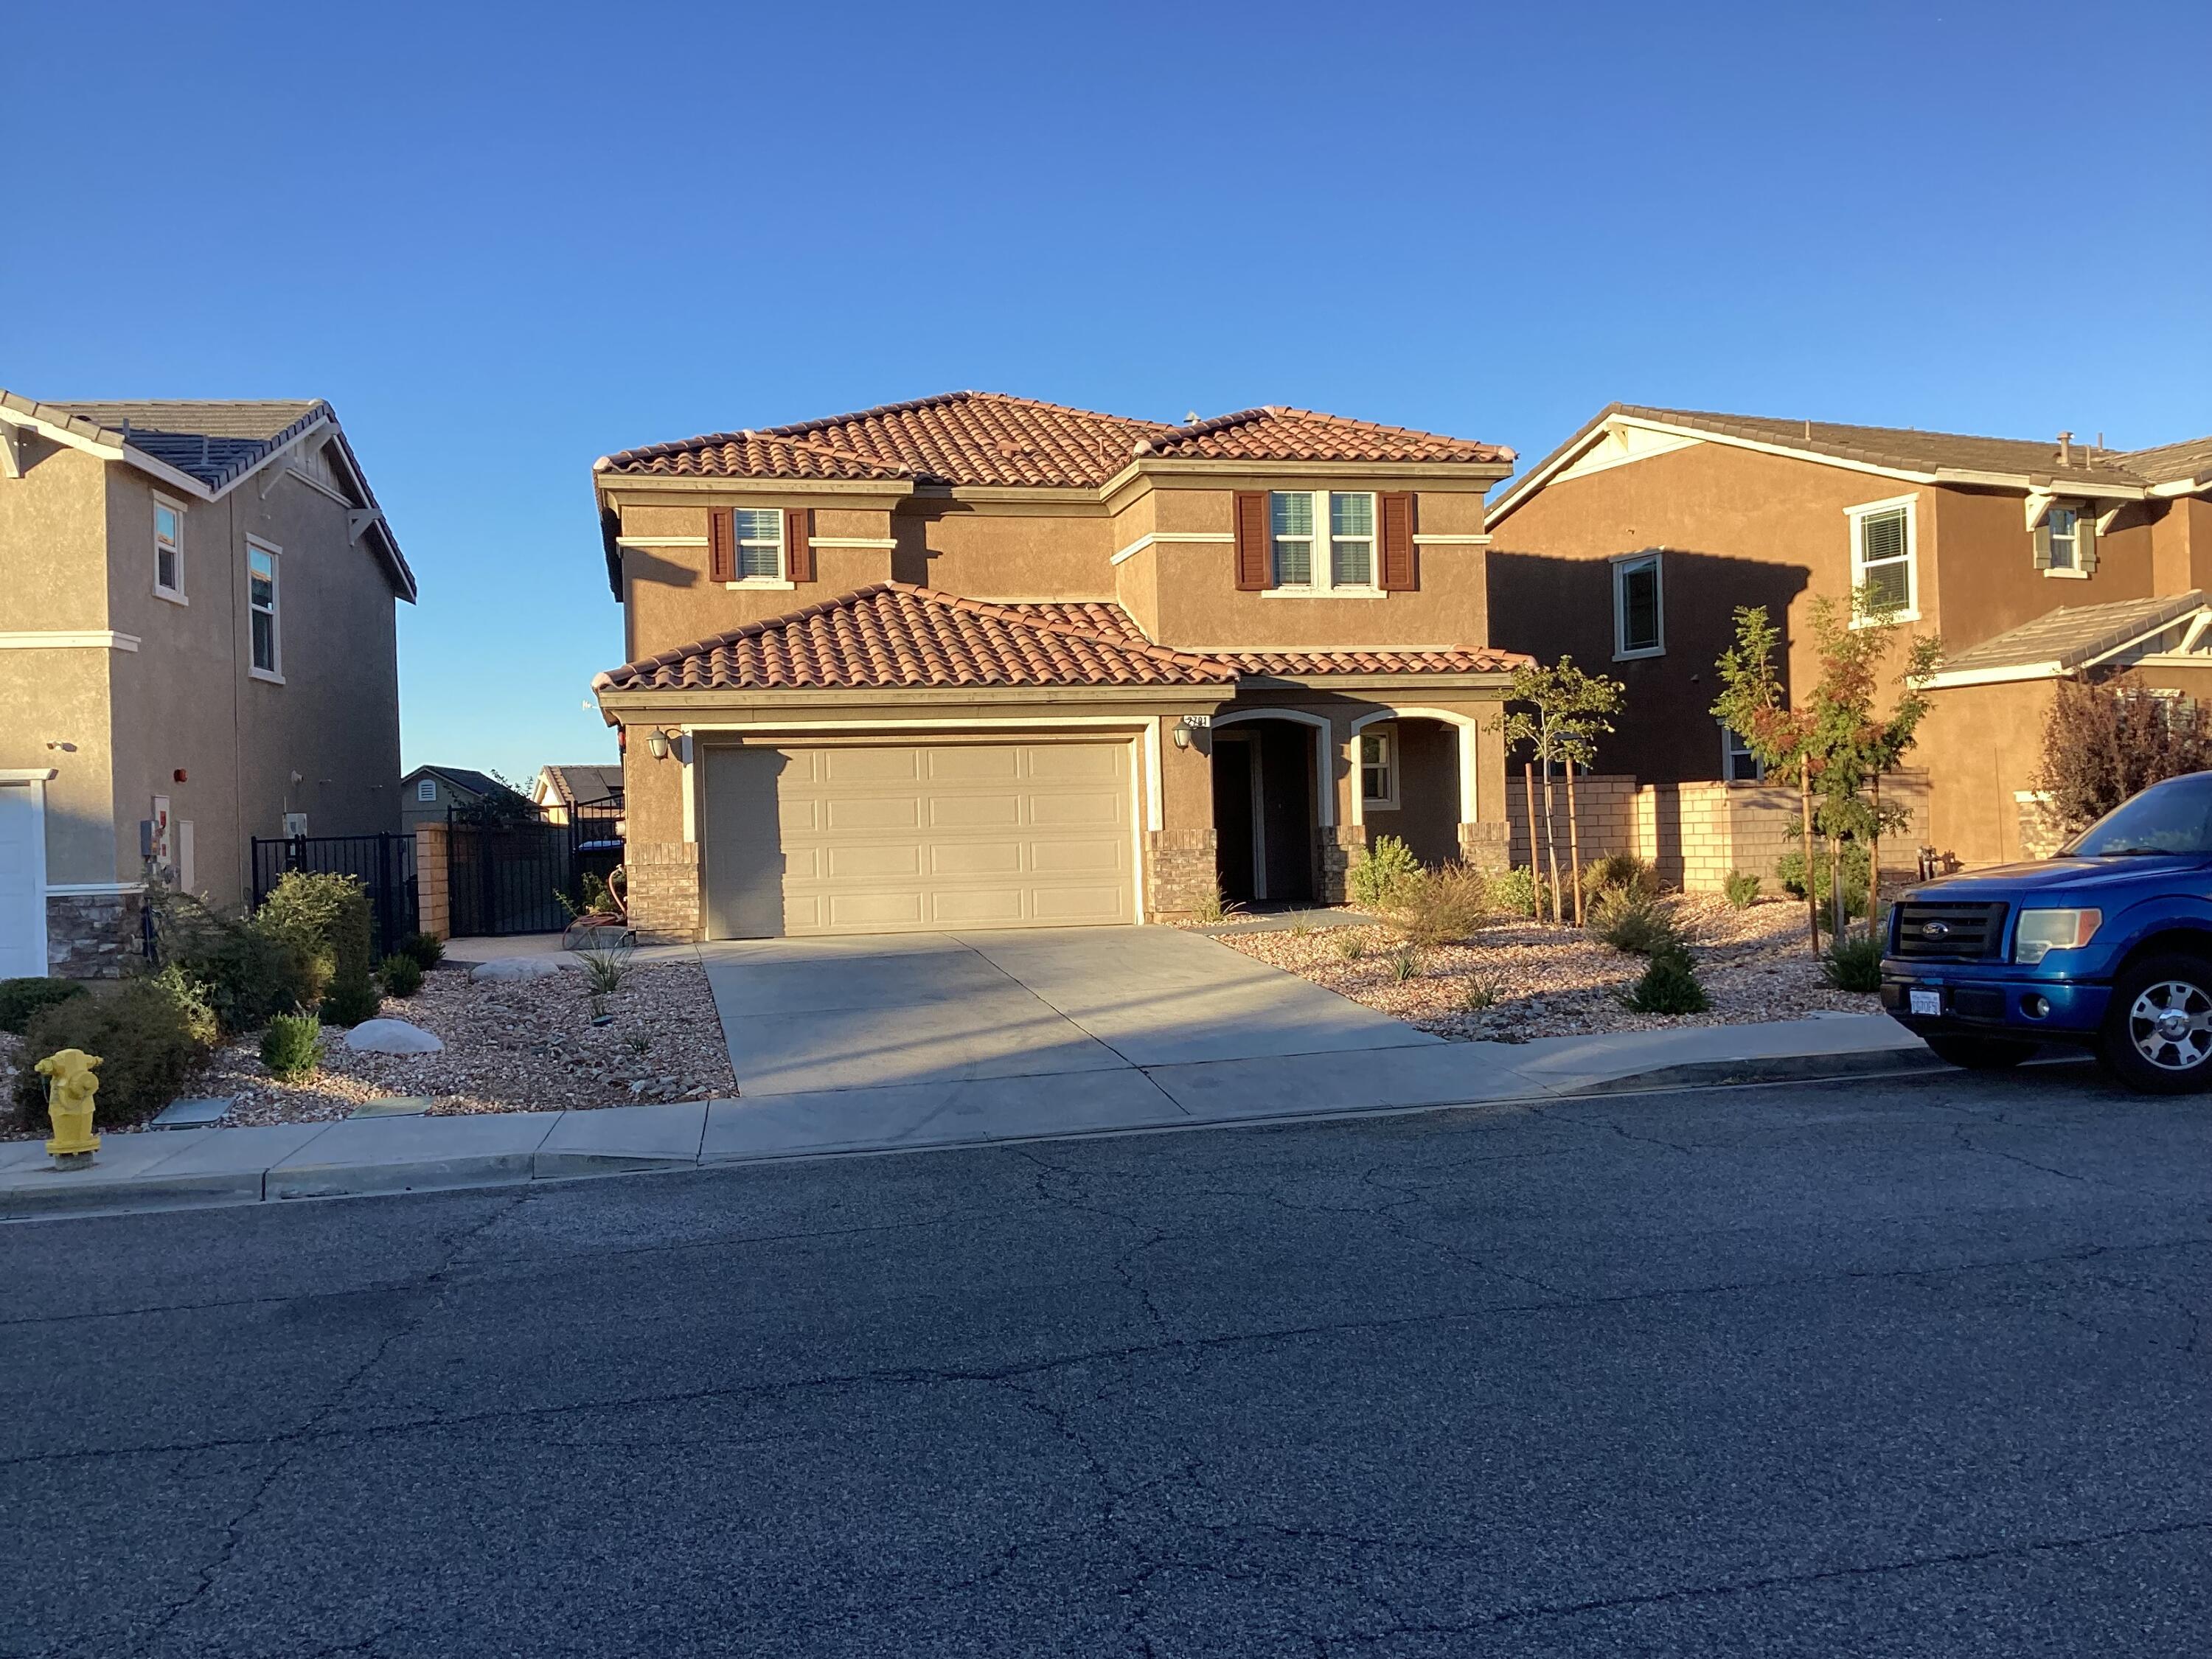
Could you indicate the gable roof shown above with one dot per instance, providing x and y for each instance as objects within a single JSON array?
[
  {"x": 981, "y": 439},
  {"x": 2071, "y": 637},
  {"x": 207, "y": 447},
  {"x": 895, "y": 634},
  {"x": 465, "y": 777},
  {"x": 586, "y": 784},
  {"x": 2023, "y": 464}
]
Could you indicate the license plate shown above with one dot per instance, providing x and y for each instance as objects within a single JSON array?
[{"x": 1925, "y": 1002}]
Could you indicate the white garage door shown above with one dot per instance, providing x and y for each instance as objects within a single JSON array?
[
  {"x": 23, "y": 883},
  {"x": 863, "y": 839}
]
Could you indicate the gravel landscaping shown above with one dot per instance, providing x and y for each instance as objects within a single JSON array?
[
  {"x": 1559, "y": 982},
  {"x": 527, "y": 1045}
]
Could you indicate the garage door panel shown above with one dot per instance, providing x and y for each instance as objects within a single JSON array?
[
  {"x": 878, "y": 839},
  {"x": 978, "y": 858}
]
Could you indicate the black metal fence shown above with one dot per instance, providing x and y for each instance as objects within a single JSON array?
[
  {"x": 383, "y": 865},
  {"x": 511, "y": 876}
]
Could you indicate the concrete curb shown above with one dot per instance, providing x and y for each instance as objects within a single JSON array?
[{"x": 1778, "y": 1068}]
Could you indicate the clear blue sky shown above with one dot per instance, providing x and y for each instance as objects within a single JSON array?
[{"x": 505, "y": 240}]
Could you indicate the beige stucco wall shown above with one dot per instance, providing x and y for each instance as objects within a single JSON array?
[{"x": 76, "y": 552}]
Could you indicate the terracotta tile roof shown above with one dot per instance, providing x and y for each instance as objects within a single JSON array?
[
  {"x": 2074, "y": 635},
  {"x": 895, "y": 635},
  {"x": 1298, "y": 665},
  {"x": 986, "y": 438},
  {"x": 1274, "y": 434}
]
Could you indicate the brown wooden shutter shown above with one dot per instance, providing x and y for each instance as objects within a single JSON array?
[
  {"x": 2042, "y": 543},
  {"x": 1402, "y": 562},
  {"x": 798, "y": 544},
  {"x": 721, "y": 547},
  {"x": 1252, "y": 562},
  {"x": 2085, "y": 539}
]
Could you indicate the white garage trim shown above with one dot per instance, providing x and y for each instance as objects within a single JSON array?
[
  {"x": 1324, "y": 756},
  {"x": 32, "y": 781},
  {"x": 1469, "y": 728}
]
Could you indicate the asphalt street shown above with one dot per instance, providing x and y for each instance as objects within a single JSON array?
[{"x": 1899, "y": 1367}]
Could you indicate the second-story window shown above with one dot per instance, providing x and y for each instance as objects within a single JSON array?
[
  {"x": 1738, "y": 763},
  {"x": 760, "y": 542},
  {"x": 2064, "y": 522},
  {"x": 1638, "y": 621},
  {"x": 1300, "y": 561},
  {"x": 1882, "y": 573},
  {"x": 168, "y": 551},
  {"x": 261, "y": 603}
]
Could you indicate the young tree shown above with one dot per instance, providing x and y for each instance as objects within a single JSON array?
[
  {"x": 1839, "y": 742},
  {"x": 2105, "y": 742},
  {"x": 1565, "y": 711}
]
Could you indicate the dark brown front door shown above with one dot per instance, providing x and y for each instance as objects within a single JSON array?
[{"x": 1233, "y": 823}]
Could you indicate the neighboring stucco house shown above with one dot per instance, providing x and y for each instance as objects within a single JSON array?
[
  {"x": 1632, "y": 544},
  {"x": 557, "y": 791},
  {"x": 981, "y": 661},
  {"x": 428, "y": 793},
  {"x": 197, "y": 646}
]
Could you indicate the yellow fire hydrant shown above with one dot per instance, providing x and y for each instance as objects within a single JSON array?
[{"x": 70, "y": 1086}]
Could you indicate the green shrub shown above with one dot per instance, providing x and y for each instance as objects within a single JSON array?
[
  {"x": 1404, "y": 963},
  {"x": 244, "y": 974},
  {"x": 1619, "y": 872},
  {"x": 182, "y": 988},
  {"x": 143, "y": 1037},
  {"x": 1480, "y": 995},
  {"x": 292, "y": 1047},
  {"x": 1520, "y": 892},
  {"x": 1628, "y": 922},
  {"x": 1742, "y": 887},
  {"x": 20, "y": 999},
  {"x": 349, "y": 1003},
  {"x": 401, "y": 974},
  {"x": 1446, "y": 905},
  {"x": 1669, "y": 986},
  {"x": 1853, "y": 964},
  {"x": 428, "y": 950},
  {"x": 324, "y": 915},
  {"x": 605, "y": 970},
  {"x": 1351, "y": 947},
  {"x": 1789, "y": 870},
  {"x": 1385, "y": 875}
]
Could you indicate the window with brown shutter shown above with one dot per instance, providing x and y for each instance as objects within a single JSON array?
[
  {"x": 1402, "y": 564},
  {"x": 721, "y": 547},
  {"x": 1252, "y": 572},
  {"x": 798, "y": 544}
]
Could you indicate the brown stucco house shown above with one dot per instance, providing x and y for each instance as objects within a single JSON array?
[
  {"x": 1632, "y": 544},
  {"x": 197, "y": 646},
  {"x": 977, "y": 660}
]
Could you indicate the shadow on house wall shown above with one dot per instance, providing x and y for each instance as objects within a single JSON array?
[{"x": 1552, "y": 607}]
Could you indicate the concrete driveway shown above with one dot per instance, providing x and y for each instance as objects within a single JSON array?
[{"x": 966, "y": 1035}]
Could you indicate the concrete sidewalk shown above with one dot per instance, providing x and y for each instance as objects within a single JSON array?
[{"x": 177, "y": 1168}]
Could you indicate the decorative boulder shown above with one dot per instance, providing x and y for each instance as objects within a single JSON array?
[
  {"x": 506, "y": 968},
  {"x": 392, "y": 1036}
]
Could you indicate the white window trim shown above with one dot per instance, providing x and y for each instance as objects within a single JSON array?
[
  {"x": 172, "y": 595},
  {"x": 425, "y": 789},
  {"x": 1386, "y": 730},
  {"x": 1857, "y": 517},
  {"x": 273, "y": 675},
  {"x": 2069, "y": 573},
  {"x": 738, "y": 543},
  {"x": 1729, "y": 750},
  {"x": 1622, "y": 564},
  {"x": 1323, "y": 556}
]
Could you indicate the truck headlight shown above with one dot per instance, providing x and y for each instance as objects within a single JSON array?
[{"x": 2042, "y": 932}]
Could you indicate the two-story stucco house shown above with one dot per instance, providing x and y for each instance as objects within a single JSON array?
[
  {"x": 1632, "y": 544},
  {"x": 197, "y": 646},
  {"x": 981, "y": 661}
]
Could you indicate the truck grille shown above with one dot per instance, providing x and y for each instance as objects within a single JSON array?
[{"x": 1952, "y": 932}]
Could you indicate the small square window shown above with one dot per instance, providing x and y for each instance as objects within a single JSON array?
[
  {"x": 1378, "y": 766},
  {"x": 1638, "y": 627},
  {"x": 427, "y": 789}
]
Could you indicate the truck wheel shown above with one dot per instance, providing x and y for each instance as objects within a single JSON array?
[
  {"x": 2158, "y": 1031},
  {"x": 1978, "y": 1054}
]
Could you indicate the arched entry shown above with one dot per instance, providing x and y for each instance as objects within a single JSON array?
[
  {"x": 1416, "y": 771},
  {"x": 1273, "y": 792}
]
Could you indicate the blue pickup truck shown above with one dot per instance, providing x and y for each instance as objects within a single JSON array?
[{"x": 2107, "y": 945}]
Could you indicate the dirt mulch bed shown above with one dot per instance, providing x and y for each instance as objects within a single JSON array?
[
  {"x": 510, "y": 1046},
  {"x": 1559, "y": 982}
]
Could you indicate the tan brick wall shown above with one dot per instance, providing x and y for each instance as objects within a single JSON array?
[
  {"x": 664, "y": 891},
  {"x": 1604, "y": 809},
  {"x": 433, "y": 907},
  {"x": 2042, "y": 831},
  {"x": 1179, "y": 872}
]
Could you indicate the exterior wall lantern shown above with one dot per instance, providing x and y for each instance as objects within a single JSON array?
[{"x": 656, "y": 743}]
